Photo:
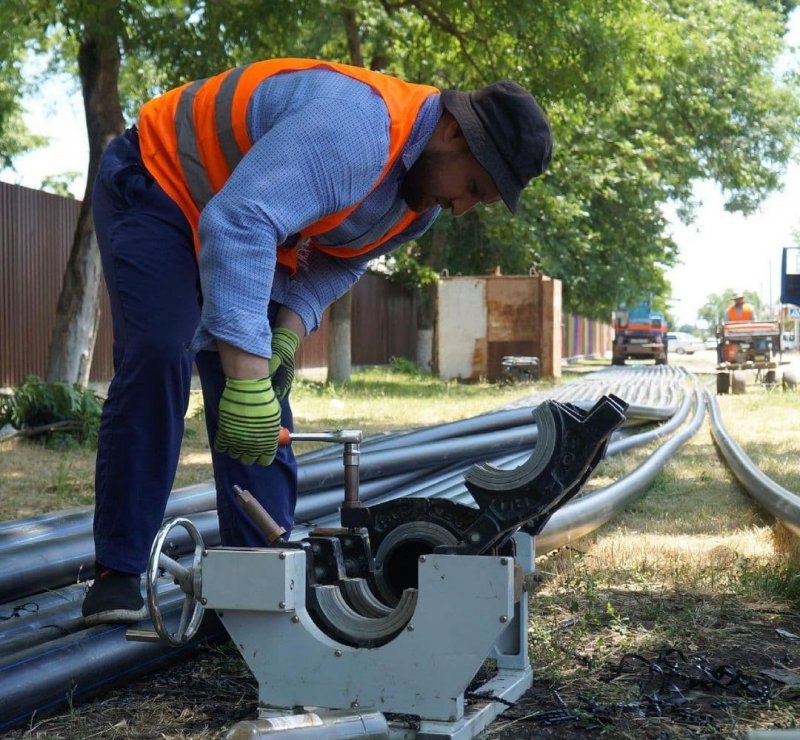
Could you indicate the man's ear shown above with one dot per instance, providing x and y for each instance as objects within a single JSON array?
[
  {"x": 451, "y": 130},
  {"x": 447, "y": 137}
]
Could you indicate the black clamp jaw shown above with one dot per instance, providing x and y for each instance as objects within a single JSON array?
[{"x": 571, "y": 443}]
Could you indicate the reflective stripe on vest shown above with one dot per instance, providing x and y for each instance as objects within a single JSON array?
[{"x": 191, "y": 153}]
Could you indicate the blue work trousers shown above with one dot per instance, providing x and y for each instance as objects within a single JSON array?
[{"x": 152, "y": 278}]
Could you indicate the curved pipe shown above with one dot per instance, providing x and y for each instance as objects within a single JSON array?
[
  {"x": 586, "y": 513},
  {"x": 780, "y": 502},
  {"x": 649, "y": 435}
]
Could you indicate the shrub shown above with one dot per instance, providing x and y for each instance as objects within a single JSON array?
[
  {"x": 56, "y": 413},
  {"x": 403, "y": 365}
]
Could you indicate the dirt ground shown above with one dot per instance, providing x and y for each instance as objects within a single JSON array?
[
  {"x": 714, "y": 686},
  {"x": 735, "y": 668}
]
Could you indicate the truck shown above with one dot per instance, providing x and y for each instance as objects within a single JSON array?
[
  {"x": 747, "y": 346},
  {"x": 639, "y": 334}
]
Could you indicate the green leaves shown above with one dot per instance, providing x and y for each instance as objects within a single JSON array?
[
  {"x": 645, "y": 97},
  {"x": 52, "y": 411}
]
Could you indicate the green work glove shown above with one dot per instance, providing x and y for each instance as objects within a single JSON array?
[
  {"x": 281, "y": 364},
  {"x": 249, "y": 421}
]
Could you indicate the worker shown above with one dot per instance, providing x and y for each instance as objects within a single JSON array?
[
  {"x": 739, "y": 311},
  {"x": 228, "y": 218}
]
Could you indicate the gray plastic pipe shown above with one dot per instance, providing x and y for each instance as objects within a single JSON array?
[
  {"x": 83, "y": 663},
  {"x": 66, "y": 555},
  {"x": 312, "y": 477},
  {"x": 60, "y": 560},
  {"x": 35, "y": 566},
  {"x": 53, "y": 692},
  {"x": 779, "y": 501},
  {"x": 451, "y": 486},
  {"x": 446, "y": 483}
]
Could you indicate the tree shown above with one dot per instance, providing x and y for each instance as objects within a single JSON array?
[
  {"x": 645, "y": 97},
  {"x": 713, "y": 310},
  {"x": 96, "y": 28},
  {"x": 341, "y": 310},
  {"x": 87, "y": 36},
  {"x": 14, "y": 139}
]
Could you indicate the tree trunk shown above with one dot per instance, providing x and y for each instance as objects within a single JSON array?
[
  {"x": 339, "y": 353},
  {"x": 438, "y": 249},
  {"x": 78, "y": 309},
  {"x": 426, "y": 306},
  {"x": 353, "y": 38},
  {"x": 339, "y": 357},
  {"x": 426, "y": 317}
]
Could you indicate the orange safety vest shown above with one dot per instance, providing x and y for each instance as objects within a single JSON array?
[
  {"x": 745, "y": 313},
  {"x": 192, "y": 138}
]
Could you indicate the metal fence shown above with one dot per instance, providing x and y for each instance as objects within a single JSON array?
[
  {"x": 36, "y": 231},
  {"x": 584, "y": 337}
]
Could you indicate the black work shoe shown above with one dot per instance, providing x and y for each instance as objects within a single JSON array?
[{"x": 113, "y": 597}]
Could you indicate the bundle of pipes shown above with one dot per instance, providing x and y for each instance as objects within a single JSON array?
[
  {"x": 55, "y": 550},
  {"x": 46, "y": 657}
]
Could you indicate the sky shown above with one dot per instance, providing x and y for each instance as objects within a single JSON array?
[{"x": 718, "y": 251}]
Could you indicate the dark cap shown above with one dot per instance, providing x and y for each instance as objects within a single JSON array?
[{"x": 506, "y": 131}]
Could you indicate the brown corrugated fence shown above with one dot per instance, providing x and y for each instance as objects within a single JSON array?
[{"x": 36, "y": 231}]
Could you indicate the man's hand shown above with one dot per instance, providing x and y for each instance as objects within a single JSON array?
[
  {"x": 249, "y": 421},
  {"x": 281, "y": 365}
]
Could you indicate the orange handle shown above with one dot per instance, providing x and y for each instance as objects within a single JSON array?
[{"x": 284, "y": 437}]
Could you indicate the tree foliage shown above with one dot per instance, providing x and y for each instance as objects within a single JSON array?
[
  {"x": 14, "y": 138},
  {"x": 645, "y": 97},
  {"x": 713, "y": 310}
]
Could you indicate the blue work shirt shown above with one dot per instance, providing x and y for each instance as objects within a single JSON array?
[{"x": 320, "y": 141}]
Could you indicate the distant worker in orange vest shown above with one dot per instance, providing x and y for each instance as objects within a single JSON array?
[
  {"x": 235, "y": 211},
  {"x": 739, "y": 311}
]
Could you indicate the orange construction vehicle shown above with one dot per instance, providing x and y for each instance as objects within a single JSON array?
[
  {"x": 747, "y": 346},
  {"x": 639, "y": 334}
]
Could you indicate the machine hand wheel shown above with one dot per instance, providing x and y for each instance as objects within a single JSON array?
[{"x": 187, "y": 578}]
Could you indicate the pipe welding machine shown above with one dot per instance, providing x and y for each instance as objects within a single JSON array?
[{"x": 380, "y": 627}]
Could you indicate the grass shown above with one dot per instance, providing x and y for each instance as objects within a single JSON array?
[
  {"x": 692, "y": 566},
  {"x": 35, "y": 479}
]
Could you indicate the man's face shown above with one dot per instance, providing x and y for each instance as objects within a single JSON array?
[{"x": 451, "y": 180}]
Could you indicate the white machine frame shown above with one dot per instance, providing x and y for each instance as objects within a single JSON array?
[{"x": 469, "y": 608}]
